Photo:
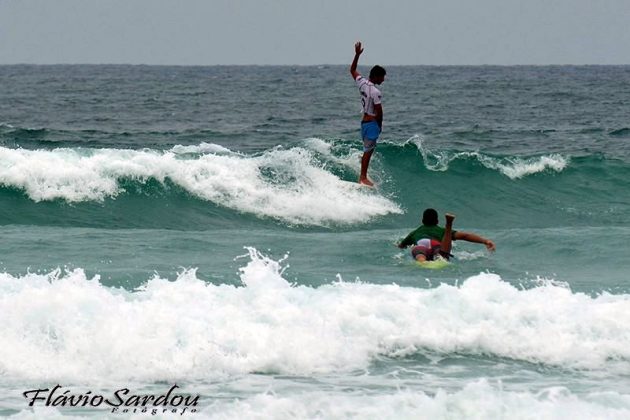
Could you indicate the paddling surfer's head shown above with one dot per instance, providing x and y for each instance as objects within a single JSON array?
[
  {"x": 377, "y": 75},
  {"x": 430, "y": 217}
]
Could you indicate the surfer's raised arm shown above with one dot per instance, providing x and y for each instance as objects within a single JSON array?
[{"x": 358, "y": 49}]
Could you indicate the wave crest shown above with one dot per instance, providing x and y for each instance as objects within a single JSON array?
[
  {"x": 512, "y": 167},
  {"x": 191, "y": 329},
  {"x": 286, "y": 184}
]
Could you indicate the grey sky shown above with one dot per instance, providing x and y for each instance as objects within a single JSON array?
[{"x": 315, "y": 32}]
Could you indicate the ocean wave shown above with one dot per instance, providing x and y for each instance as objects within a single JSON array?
[
  {"x": 65, "y": 326},
  {"x": 476, "y": 400},
  {"x": 479, "y": 399},
  {"x": 201, "y": 148},
  {"x": 512, "y": 167},
  {"x": 621, "y": 132},
  {"x": 284, "y": 184},
  {"x": 23, "y": 132}
]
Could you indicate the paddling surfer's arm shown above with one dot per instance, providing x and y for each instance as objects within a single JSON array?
[
  {"x": 355, "y": 62},
  {"x": 471, "y": 237}
]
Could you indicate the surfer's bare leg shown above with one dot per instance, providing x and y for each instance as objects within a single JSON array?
[
  {"x": 447, "y": 240},
  {"x": 365, "y": 162}
]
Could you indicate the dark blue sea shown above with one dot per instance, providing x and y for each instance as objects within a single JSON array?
[{"x": 202, "y": 227}]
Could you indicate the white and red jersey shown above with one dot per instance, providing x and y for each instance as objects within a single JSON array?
[{"x": 370, "y": 95}]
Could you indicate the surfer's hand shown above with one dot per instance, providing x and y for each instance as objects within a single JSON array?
[
  {"x": 490, "y": 245},
  {"x": 357, "y": 48}
]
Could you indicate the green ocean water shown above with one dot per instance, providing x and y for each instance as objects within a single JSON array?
[{"x": 202, "y": 225}]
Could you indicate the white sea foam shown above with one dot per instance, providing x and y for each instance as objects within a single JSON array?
[
  {"x": 477, "y": 400},
  {"x": 319, "y": 145},
  {"x": 65, "y": 327},
  {"x": 350, "y": 158},
  {"x": 200, "y": 148},
  {"x": 519, "y": 167},
  {"x": 513, "y": 167},
  {"x": 283, "y": 184}
]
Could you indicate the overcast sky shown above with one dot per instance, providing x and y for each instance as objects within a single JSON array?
[{"x": 306, "y": 32}]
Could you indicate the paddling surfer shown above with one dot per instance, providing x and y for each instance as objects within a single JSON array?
[{"x": 430, "y": 240}]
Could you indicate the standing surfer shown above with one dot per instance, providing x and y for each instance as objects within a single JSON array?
[{"x": 372, "y": 121}]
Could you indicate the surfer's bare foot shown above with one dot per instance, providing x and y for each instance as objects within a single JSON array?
[
  {"x": 366, "y": 181},
  {"x": 449, "y": 218}
]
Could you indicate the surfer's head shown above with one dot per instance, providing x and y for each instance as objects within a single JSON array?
[
  {"x": 377, "y": 75},
  {"x": 430, "y": 217}
]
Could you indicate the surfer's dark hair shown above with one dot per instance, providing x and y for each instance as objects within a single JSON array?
[
  {"x": 430, "y": 217},
  {"x": 377, "y": 71}
]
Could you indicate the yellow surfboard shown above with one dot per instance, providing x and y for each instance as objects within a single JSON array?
[{"x": 436, "y": 264}]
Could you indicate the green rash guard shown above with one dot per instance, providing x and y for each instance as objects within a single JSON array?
[{"x": 431, "y": 232}]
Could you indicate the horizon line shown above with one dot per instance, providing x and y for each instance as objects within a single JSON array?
[{"x": 318, "y": 65}]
